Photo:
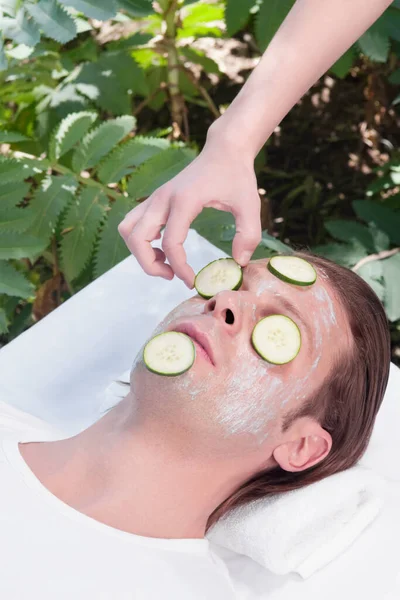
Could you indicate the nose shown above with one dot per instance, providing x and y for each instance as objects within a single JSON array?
[{"x": 226, "y": 307}]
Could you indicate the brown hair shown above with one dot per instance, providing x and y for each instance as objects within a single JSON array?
[{"x": 347, "y": 402}]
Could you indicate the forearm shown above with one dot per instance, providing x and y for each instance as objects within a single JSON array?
[{"x": 312, "y": 37}]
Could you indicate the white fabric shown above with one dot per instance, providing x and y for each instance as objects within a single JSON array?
[
  {"x": 50, "y": 550},
  {"x": 303, "y": 530},
  {"x": 59, "y": 369}
]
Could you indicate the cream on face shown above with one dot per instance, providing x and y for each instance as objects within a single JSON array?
[{"x": 245, "y": 394}]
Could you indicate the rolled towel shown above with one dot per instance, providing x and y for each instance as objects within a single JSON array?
[{"x": 303, "y": 530}]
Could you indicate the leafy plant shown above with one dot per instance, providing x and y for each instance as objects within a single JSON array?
[{"x": 65, "y": 206}]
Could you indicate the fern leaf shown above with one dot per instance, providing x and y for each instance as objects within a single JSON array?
[
  {"x": 158, "y": 170},
  {"x": 137, "y": 8},
  {"x": 85, "y": 215},
  {"x": 53, "y": 20},
  {"x": 21, "y": 29},
  {"x": 111, "y": 248},
  {"x": 13, "y": 170},
  {"x": 13, "y": 283},
  {"x": 375, "y": 44},
  {"x": 69, "y": 132},
  {"x": 12, "y": 193},
  {"x": 15, "y": 245},
  {"x": 94, "y": 9},
  {"x": 15, "y": 219},
  {"x": 98, "y": 142},
  {"x": 49, "y": 201},
  {"x": 237, "y": 13},
  {"x": 271, "y": 15},
  {"x": 131, "y": 154}
]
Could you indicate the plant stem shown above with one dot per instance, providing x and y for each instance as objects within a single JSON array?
[
  {"x": 373, "y": 257},
  {"x": 177, "y": 101},
  {"x": 86, "y": 181}
]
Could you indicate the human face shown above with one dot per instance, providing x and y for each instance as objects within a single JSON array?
[{"x": 233, "y": 390}]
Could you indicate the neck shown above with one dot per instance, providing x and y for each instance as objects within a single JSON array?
[{"x": 127, "y": 473}]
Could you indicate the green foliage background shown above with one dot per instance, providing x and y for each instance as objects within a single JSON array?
[{"x": 101, "y": 102}]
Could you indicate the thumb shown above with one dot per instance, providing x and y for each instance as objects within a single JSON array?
[{"x": 248, "y": 231}]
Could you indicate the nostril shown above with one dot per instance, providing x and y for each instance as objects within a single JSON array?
[
  {"x": 211, "y": 305},
  {"x": 229, "y": 317}
]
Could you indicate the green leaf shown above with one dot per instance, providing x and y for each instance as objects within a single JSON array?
[
  {"x": 201, "y": 19},
  {"x": 391, "y": 274},
  {"x": 70, "y": 131},
  {"x": 85, "y": 216},
  {"x": 212, "y": 224},
  {"x": 53, "y": 20},
  {"x": 3, "y": 321},
  {"x": 102, "y": 10},
  {"x": 14, "y": 245},
  {"x": 124, "y": 158},
  {"x": 158, "y": 170},
  {"x": 98, "y": 142},
  {"x": 112, "y": 81},
  {"x": 385, "y": 219},
  {"x": 199, "y": 58},
  {"x": 12, "y": 193},
  {"x": 270, "y": 241},
  {"x": 270, "y": 17},
  {"x": 10, "y": 7},
  {"x": 237, "y": 13},
  {"x": 374, "y": 43},
  {"x": 346, "y": 231},
  {"x": 13, "y": 283},
  {"x": 343, "y": 254},
  {"x": 137, "y": 8},
  {"x": 372, "y": 273},
  {"x": 3, "y": 57},
  {"x": 9, "y": 137},
  {"x": 21, "y": 29},
  {"x": 111, "y": 248},
  {"x": 380, "y": 238},
  {"x": 394, "y": 78},
  {"x": 14, "y": 219},
  {"x": 49, "y": 201},
  {"x": 13, "y": 170},
  {"x": 343, "y": 65}
]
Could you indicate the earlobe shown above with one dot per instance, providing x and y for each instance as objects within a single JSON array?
[{"x": 304, "y": 452}]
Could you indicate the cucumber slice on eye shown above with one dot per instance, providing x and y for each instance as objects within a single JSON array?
[
  {"x": 292, "y": 269},
  {"x": 169, "y": 353},
  {"x": 277, "y": 339},
  {"x": 219, "y": 275}
]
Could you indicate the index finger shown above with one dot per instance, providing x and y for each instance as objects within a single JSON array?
[{"x": 175, "y": 233}]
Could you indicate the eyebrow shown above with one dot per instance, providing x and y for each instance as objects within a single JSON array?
[{"x": 255, "y": 271}]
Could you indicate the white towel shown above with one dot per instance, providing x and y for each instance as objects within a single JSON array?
[{"x": 303, "y": 530}]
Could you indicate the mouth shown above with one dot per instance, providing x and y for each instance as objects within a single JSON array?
[{"x": 199, "y": 337}]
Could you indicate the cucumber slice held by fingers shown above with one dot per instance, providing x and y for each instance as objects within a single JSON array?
[
  {"x": 277, "y": 339},
  {"x": 219, "y": 275},
  {"x": 169, "y": 353},
  {"x": 292, "y": 269}
]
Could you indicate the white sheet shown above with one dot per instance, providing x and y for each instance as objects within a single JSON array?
[{"x": 58, "y": 371}]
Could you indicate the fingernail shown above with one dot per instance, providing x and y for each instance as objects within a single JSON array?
[{"x": 245, "y": 257}]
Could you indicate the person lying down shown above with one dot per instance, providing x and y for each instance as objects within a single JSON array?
[{"x": 265, "y": 387}]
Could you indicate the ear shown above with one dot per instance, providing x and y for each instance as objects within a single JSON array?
[{"x": 306, "y": 444}]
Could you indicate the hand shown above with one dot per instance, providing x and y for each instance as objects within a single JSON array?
[{"x": 219, "y": 177}]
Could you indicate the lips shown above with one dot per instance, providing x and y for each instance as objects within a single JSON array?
[{"x": 198, "y": 336}]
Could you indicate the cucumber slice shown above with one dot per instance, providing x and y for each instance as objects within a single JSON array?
[
  {"x": 292, "y": 270},
  {"x": 277, "y": 339},
  {"x": 169, "y": 353},
  {"x": 219, "y": 275}
]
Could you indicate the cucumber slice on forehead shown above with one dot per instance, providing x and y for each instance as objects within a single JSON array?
[
  {"x": 219, "y": 275},
  {"x": 277, "y": 339},
  {"x": 169, "y": 353},
  {"x": 293, "y": 269}
]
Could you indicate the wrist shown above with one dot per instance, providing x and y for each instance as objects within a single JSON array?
[{"x": 222, "y": 134}]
